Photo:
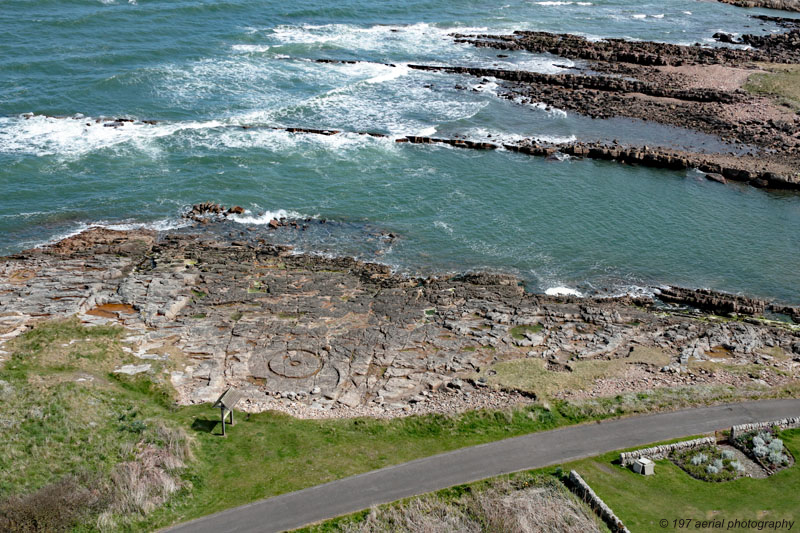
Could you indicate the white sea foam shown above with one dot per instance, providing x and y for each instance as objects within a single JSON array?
[
  {"x": 250, "y": 48},
  {"x": 443, "y": 225},
  {"x": 562, "y": 291},
  {"x": 414, "y": 38},
  {"x": 426, "y": 132},
  {"x": 639, "y": 16},
  {"x": 555, "y": 139},
  {"x": 389, "y": 73},
  {"x": 76, "y": 136},
  {"x": 550, "y": 109},
  {"x": 265, "y": 217}
]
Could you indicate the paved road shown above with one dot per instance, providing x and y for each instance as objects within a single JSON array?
[{"x": 296, "y": 509}]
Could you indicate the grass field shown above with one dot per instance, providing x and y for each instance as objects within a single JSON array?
[{"x": 641, "y": 502}]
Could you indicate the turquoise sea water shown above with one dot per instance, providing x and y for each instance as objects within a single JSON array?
[{"x": 199, "y": 67}]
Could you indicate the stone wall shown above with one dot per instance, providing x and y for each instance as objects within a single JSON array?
[
  {"x": 585, "y": 492},
  {"x": 784, "y": 423},
  {"x": 659, "y": 452}
]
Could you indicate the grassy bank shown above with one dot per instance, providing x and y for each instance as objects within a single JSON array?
[{"x": 97, "y": 450}]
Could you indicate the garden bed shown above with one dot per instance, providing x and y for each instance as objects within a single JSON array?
[
  {"x": 766, "y": 449},
  {"x": 710, "y": 463}
]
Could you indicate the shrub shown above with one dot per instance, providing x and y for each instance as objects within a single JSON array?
[
  {"x": 777, "y": 458},
  {"x": 760, "y": 451},
  {"x": 728, "y": 454},
  {"x": 766, "y": 436},
  {"x": 758, "y": 442},
  {"x": 718, "y": 464},
  {"x": 776, "y": 445},
  {"x": 699, "y": 459},
  {"x": 736, "y": 465},
  {"x": 711, "y": 469}
]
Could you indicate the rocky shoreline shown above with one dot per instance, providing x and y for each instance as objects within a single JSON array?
[
  {"x": 694, "y": 87},
  {"x": 784, "y": 5},
  {"x": 334, "y": 337}
]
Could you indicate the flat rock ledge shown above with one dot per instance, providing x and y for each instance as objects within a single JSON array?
[{"x": 334, "y": 337}]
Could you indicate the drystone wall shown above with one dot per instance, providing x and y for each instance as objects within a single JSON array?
[
  {"x": 659, "y": 452},
  {"x": 585, "y": 492},
  {"x": 784, "y": 423}
]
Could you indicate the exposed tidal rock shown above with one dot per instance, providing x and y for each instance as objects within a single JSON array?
[
  {"x": 319, "y": 336},
  {"x": 600, "y": 83},
  {"x": 713, "y": 301},
  {"x": 777, "y": 48}
]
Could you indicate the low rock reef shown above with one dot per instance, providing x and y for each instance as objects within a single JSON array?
[{"x": 334, "y": 337}]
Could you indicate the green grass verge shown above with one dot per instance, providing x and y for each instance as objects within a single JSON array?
[{"x": 641, "y": 502}]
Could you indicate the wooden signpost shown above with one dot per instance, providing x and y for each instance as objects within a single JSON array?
[{"x": 226, "y": 403}]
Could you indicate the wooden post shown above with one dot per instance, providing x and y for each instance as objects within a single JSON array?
[{"x": 222, "y": 412}]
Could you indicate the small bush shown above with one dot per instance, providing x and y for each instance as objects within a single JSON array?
[
  {"x": 711, "y": 469},
  {"x": 760, "y": 450},
  {"x": 728, "y": 454},
  {"x": 699, "y": 459},
  {"x": 777, "y": 458},
  {"x": 739, "y": 467},
  {"x": 776, "y": 445}
]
